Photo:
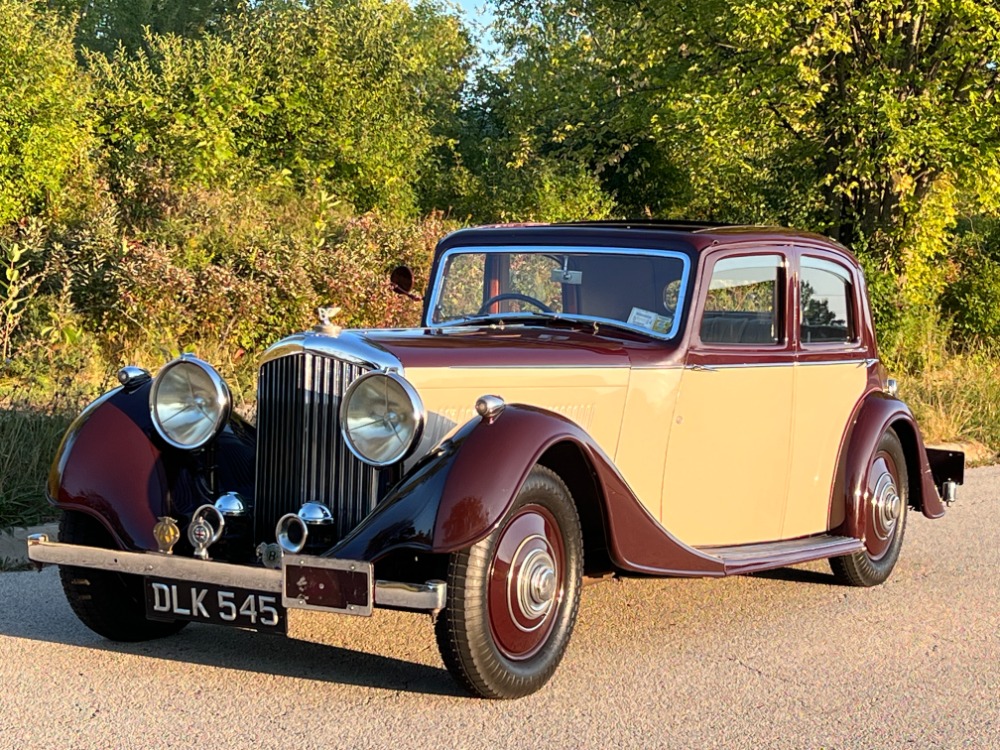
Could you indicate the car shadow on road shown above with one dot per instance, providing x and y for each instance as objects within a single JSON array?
[
  {"x": 48, "y": 618},
  {"x": 798, "y": 575}
]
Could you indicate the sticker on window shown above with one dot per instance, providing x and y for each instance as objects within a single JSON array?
[{"x": 650, "y": 320}]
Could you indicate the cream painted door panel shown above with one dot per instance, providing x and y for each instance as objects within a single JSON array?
[
  {"x": 642, "y": 445},
  {"x": 825, "y": 397},
  {"x": 726, "y": 476}
]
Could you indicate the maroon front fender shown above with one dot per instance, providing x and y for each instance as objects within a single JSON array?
[
  {"x": 875, "y": 415},
  {"x": 108, "y": 467},
  {"x": 111, "y": 465}
]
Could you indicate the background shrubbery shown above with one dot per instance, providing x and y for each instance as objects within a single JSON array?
[{"x": 178, "y": 176}]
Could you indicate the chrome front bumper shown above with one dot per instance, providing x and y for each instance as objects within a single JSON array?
[{"x": 423, "y": 597}]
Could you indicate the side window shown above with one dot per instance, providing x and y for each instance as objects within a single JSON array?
[
  {"x": 825, "y": 302},
  {"x": 744, "y": 297}
]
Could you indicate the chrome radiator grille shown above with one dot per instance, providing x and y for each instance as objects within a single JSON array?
[{"x": 301, "y": 454}]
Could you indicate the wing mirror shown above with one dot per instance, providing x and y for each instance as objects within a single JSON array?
[{"x": 401, "y": 281}]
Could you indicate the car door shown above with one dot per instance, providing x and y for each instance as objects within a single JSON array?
[
  {"x": 726, "y": 472},
  {"x": 830, "y": 379}
]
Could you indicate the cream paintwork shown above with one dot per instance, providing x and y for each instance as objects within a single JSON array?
[
  {"x": 670, "y": 433},
  {"x": 627, "y": 414},
  {"x": 594, "y": 398},
  {"x": 646, "y": 424},
  {"x": 824, "y": 398},
  {"x": 727, "y": 461}
]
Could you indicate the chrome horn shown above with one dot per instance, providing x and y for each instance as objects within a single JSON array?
[{"x": 293, "y": 529}]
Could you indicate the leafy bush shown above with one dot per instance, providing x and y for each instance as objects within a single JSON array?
[
  {"x": 44, "y": 116},
  {"x": 972, "y": 299},
  {"x": 345, "y": 95},
  {"x": 233, "y": 271}
]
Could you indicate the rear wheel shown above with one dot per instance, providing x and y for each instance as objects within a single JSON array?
[
  {"x": 110, "y": 604},
  {"x": 513, "y": 597},
  {"x": 886, "y": 499}
]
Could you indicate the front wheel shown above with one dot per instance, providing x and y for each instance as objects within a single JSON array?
[
  {"x": 513, "y": 597},
  {"x": 886, "y": 497},
  {"x": 110, "y": 604}
]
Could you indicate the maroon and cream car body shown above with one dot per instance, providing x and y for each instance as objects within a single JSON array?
[{"x": 585, "y": 399}]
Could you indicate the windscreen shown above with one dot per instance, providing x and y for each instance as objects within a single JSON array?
[{"x": 640, "y": 289}]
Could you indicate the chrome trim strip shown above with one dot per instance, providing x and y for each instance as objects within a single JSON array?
[
  {"x": 435, "y": 293},
  {"x": 789, "y": 363},
  {"x": 429, "y": 596},
  {"x": 351, "y": 346},
  {"x": 423, "y": 597},
  {"x": 41, "y": 550}
]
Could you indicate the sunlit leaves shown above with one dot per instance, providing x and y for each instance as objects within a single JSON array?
[
  {"x": 870, "y": 121},
  {"x": 44, "y": 120}
]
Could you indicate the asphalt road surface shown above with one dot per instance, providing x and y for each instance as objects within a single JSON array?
[{"x": 784, "y": 659}]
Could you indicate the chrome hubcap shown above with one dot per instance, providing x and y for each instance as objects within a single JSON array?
[
  {"x": 536, "y": 583},
  {"x": 886, "y": 506}
]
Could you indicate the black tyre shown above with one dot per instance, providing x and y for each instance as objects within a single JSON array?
[
  {"x": 885, "y": 518},
  {"x": 110, "y": 604},
  {"x": 513, "y": 597}
]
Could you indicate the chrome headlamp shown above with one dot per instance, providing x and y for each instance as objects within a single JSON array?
[
  {"x": 382, "y": 418},
  {"x": 189, "y": 402}
]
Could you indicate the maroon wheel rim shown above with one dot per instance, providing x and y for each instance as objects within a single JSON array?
[
  {"x": 527, "y": 582},
  {"x": 884, "y": 505}
]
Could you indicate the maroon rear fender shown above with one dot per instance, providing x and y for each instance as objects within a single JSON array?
[
  {"x": 493, "y": 462},
  {"x": 877, "y": 413}
]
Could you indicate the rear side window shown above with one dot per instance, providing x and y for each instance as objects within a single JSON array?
[
  {"x": 825, "y": 302},
  {"x": 743, "y": 301}
]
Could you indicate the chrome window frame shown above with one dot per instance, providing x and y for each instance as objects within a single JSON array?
[
  {"x": 845, "y": 273},
  {"x": 512, "y": 318}
]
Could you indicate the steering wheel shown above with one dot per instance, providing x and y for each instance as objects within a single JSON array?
[{"x": 513, "y": 295}]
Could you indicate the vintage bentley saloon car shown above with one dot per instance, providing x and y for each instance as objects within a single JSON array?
[{"x": 585, "y": 399}]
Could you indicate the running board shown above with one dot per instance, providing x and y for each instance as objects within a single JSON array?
[{"x": 749, "y": 558}]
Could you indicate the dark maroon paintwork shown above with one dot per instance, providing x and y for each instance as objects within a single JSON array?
[
  {"x": 113, "y": 466},
  {"x": 108, "y": 468},
  {"x": 517, "y": 346},
  {"x": 877, "y": 413}
]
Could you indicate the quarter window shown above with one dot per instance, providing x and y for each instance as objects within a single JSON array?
[
  {"x": 825, "y": 302},
  {"x": 743, "y": 301}
]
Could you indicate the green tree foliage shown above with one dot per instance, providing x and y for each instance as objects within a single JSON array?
[
  {"x": 347, "y": 95},
  {"x": 972, "y": 299},
  {"x": 106, "y": 25},
  {"x": 485, "y": 174},
  {"x": 353, "y": 94},
  {"x": 44, "y": 120},
  {"x": 867, "y": 121}
]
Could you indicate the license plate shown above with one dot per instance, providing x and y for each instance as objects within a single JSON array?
[
  {"x": 168, "y": 599},
  {"x": 328, "y": 584}
]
